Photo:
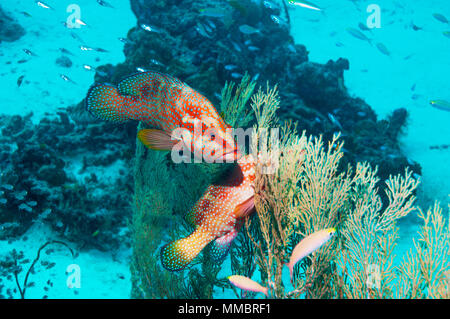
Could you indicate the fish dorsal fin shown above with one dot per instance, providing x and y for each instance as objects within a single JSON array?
[
  {"x": 245, "y": 208},
  {"x": 156, "y": 139}
]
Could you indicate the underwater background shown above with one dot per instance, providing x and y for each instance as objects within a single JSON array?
[{"x": 71, "y": 178}]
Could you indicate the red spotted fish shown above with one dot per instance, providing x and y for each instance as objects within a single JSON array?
[
  {"x": 217, "y": 217},
  {"x": 166, "y": 104}
]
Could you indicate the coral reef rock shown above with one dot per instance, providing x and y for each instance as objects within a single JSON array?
[{"x": 10, "y": 30}]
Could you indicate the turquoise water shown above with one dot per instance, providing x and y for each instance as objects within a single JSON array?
[{"x": 404, "y": 65}]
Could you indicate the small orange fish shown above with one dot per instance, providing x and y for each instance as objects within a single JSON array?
[
  {"x": 309, "y": 245},
  {"x": 217, "y": 216},
  {"x": 166, "y": 104}
]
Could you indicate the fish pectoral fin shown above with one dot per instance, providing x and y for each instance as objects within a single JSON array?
[
  {"x": 156, "y": 139},
  {"x": 178, "y": 254},
  {"x": 245, "y": 208}
]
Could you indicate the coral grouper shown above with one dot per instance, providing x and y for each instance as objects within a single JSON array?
[
  {"x": 165, "y": 104},
  {"x": 217, "y": 216}
]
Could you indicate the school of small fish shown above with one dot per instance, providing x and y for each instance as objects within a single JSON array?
[{"x": 74, "y": 35}]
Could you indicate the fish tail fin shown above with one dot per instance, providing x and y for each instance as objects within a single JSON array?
[
  {"x": 105, "y": 102},
  {"x": 178, "y": 254}
]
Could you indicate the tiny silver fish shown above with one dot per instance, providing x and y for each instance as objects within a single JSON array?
[
  {"x": 441, "y": 105},
  {"x": 363, "y": 27},
  {"x": 66, "y": 78},
  {"x": 236, "y": 46},
  {"x": 43, "y": 5},
  {"x": 80, "y": 22},
  {"x": 305, "y": 4},
  {"x": 358, "y": 34},
  {"x": 149, "y": 28},
  {"x": 20, "y": 195},
  {"x": 253, "y": 48},
  {"x": 31, "y": 203},
  {"x": 246, "y": 29},
  {"x": 291, "y": 48},
  {"x": 29, "y": 52},
  {"x": 86, "y": 48},
  {"x": 230, "y": 67},
  {"x": 334, "y": 120},
  {"x": 139, "y": 69},
  {"x": 76, "y": 37},
  {"x": 275, "y": 19},
  {"x": 105, "y": 4},
  {"x": 156, "y": 62},
  {"x": 88, "y": 67},
  {"x": 211, "y": 24},
  {"x": 382, "y": 48},
  {"x": 213, "y": 12},
  {"x": 202, "y": 31},
  {"x": 65, "y": 51},
  {"x": 269, "y": 5},
  {"x": 101, "y": 50},
  {"x": 20, "y": 80},
  {"x": 440, "y": 18},
  {"x": 25, "y": 207}
]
